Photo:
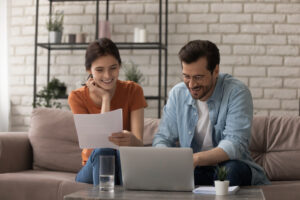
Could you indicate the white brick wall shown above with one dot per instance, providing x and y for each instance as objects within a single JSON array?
[{"x": 258, "y": 40}]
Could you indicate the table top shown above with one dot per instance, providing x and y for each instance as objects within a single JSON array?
[{"x": 120, "y": 193}]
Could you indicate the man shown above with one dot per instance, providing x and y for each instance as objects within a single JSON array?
[{"x": 211, "y": 113}]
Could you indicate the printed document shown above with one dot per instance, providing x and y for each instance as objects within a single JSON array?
[
  {"x": 93, "y": 130},
  {"x": 211, "y": 190}
]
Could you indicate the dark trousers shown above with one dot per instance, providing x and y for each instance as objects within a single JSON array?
[{"x": 239, "y": 174}]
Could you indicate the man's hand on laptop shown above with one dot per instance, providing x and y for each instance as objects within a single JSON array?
[
  {"x": 210, "y": 157},
  {"x": 124, "y": 138}
]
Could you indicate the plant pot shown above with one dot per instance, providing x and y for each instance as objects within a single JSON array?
[
  {"x": 221, "y": 187},
  {"x": 55, "y": 37}
]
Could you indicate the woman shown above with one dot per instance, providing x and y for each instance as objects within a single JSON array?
[{"x": 103, "y": 92}]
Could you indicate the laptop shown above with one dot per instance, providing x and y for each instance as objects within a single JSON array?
[{"x": 154, "y": 168}]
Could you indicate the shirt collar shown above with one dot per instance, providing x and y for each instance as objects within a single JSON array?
[
  {"x": 215, "y": 97},
  {"x": 189, "y": 99}
]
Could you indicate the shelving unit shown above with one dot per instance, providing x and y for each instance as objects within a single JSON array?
[{"x": 121, "y": 45}]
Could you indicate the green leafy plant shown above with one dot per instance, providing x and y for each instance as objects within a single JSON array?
[
  {"x": 222, "y": 173},
  {"x": 132, "y": 73},
  {"x": 54, "y": 90},
  {"x": 55, "y": 23}
]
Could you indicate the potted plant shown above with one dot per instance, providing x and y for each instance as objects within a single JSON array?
[
  {"x": 132, "y": 73},
  {"x": 55, "y": 27},
  {"x": 54, "y": 90},
  {"x": 58, "y": 88},
  {"x": 221, "y": 185}
]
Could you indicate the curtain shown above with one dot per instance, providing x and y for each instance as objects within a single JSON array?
[{"x": 4, "y": 93}]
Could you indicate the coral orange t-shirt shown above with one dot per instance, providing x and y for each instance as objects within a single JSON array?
[{"x": 128, "y": 96}]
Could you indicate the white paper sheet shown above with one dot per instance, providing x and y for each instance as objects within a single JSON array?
[
  {"x": 212, "y": 190},
  {"x": 93, "y": 130}
]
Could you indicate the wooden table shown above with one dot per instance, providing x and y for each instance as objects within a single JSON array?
[{"x": 93, "y": 193}]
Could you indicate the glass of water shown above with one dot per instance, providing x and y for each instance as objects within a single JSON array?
[{"x": 107, "y": 172}]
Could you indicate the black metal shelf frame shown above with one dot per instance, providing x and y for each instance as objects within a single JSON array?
[
  {"x": 146, "y": 97},
  {"x": 121, "y": 45},
  {"x": 83, "y": 46}
]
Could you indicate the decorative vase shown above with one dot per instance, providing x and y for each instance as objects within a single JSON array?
[
  {"x": 221, "y": 187},
  {"x": 55, "y": 37},
  {"x": 80, "y": 37},
  {"x": 104, "y": 29},
  {"x": 72, "y": 38}
]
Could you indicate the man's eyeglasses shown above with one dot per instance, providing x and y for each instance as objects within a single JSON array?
[{"x": 196, "y": 78}]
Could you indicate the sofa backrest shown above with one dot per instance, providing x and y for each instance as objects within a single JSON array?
[
  {"x": 275, "y": 142},
  {"x": 275, "y": 145},
  {"x": 150, "y": 128}
]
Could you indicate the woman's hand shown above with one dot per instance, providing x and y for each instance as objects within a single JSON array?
[
  {"x": 125, "y": 138},
  {"x": 98, "y": 95},
  {"x": 96, "y": 90}
]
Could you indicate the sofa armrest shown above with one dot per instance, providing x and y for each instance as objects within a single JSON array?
[{"x": 15, "y": 152}]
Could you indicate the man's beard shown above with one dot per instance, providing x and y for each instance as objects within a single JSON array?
[{"x": 203, "y": 91}]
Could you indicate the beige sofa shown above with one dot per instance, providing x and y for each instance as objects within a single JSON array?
[{"x": 42, "y": 163}]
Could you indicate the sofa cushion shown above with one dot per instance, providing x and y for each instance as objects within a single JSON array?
[
  {"x": 54, "y": 140},
  {"x": 37, "y": 184},
  {"x": 150, "y": 128},
  {"x": 275, "y": 146},
  {"x": 282, "y": 191},
  {"x": 258, "y": 140}
]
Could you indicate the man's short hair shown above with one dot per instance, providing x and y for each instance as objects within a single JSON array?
[{"x": 196, "y": 49}]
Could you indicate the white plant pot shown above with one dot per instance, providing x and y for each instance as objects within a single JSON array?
[
  {"x": 55, "y": 37},
  {"x": 221, "y": 187}
]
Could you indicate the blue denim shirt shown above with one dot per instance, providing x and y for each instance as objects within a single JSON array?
[{"x": 230, "y": 112}]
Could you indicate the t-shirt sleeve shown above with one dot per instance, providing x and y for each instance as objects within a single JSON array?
[
  {"x": 76, "y": 103},
  {"x": 77, "y": 106},
  {"x": 137, "y": 98}
]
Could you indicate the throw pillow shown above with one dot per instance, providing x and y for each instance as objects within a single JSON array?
[{"x": 54, "y": 140}]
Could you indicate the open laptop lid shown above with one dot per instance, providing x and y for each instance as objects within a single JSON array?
[{"x": 153, "y": 168}]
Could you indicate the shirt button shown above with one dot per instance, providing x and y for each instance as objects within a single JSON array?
[{"x": 190, "y": 132}]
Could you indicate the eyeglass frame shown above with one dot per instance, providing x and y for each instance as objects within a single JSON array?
[{"x": 196, "y": 78}]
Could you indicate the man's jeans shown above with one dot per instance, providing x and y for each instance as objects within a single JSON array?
[
  {"x": 239, "y": 173},
  {"x": 90, "y": 172}
]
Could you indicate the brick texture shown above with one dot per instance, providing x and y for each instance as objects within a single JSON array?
[{"x": 258, "y": 40}]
